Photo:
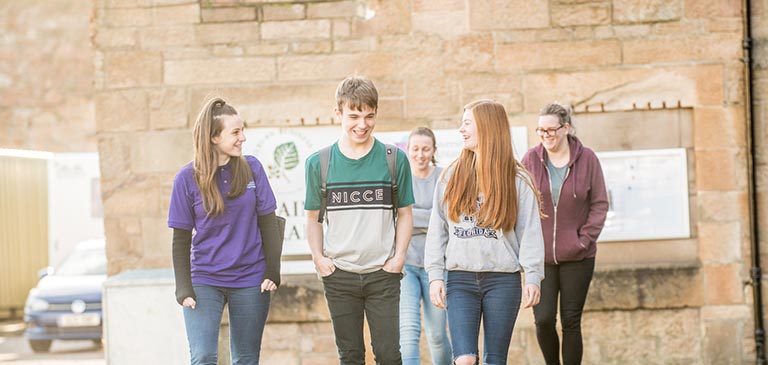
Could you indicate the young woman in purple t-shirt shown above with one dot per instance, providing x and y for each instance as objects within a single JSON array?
[{"x": 233, "y": 258}]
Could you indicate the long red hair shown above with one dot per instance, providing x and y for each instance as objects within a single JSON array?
[{"x": 491, "y": 170}]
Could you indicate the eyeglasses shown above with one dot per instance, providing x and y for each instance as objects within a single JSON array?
[{"x": 548, "y": 131}]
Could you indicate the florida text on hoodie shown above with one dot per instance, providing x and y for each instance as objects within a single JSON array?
[{"x": 464, "y": 246}]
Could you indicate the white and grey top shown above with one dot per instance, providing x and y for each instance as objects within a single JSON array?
[{"x": 464, "y": 246}]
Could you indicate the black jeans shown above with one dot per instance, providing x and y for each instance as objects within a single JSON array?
[
  {"x": 571, "y": 281},
  {"x": 376, "y": 295}
]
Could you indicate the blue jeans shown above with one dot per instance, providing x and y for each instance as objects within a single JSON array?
[
  {"x": 414, "y": 288},
  {"x": 248, "y": 308},
  {"x": 493, "y": 297}
]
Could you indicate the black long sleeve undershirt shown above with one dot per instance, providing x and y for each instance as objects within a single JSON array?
[{"x": 272, "y": 243}]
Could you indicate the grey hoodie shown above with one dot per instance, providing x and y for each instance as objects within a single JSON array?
[{"x": 465, "y": 247}]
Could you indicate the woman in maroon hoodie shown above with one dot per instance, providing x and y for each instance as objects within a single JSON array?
[{"x": 575, "y": 202}]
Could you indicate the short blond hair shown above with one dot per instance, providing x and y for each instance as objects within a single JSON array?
[{"x": 356, "y": 91}]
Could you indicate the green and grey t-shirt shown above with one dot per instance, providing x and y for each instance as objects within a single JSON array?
[{"x": 360, "y": 230}]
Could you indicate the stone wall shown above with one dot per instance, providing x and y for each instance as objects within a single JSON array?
[
  {"x": 46, "y": 76},
  {"x": 279, "y": 62}
]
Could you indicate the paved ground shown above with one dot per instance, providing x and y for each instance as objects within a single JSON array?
[{"x": 15, "y": 350}]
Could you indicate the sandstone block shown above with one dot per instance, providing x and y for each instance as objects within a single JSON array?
[
  {"x": 415, "y": 64},
  {"x": 719, "y": 335},
  {"x": 432, "y": 98},
  {"x": 446, "y": 23},
  {"x": 392, "y": 17},
  {"x": 341, "y": 28},
  {"x": 122, "y": 243},
  {"x": 156, "y": 235},
  {"x": 223, "y": 15},
  {"x": 354, "y": 45},
  {"x": 217, "y": 71},
  {"x": 470, "y": 54},
  {"x": 168, "y": 109},
  {"x": 692, "y": 85},
  {"x": 641, "y": 11},
  {"x": 721, "y": 169},
  {"x": 170, "y": 54},
  {"x": 297, "y": 29},
  {"x": 312, "y": 47},
  {"x": 712, "y": 8},
  {"x": 228, "y": 33},
  {"x": 720, "y": 242},
  {"x": 137, "y": 198},
  {"x": 300, "y": 299},
  {"x": 114, "y": 37},
  {"x": 163, "y": 37},
  {"x": 322, "y": 67},
  {"x": 673, "y": 287},
  {"x": 114, "y": 161},
  {"x": 591, "y": 13},
  {"x": 223, "y": 50},
  {"x": 722, "y": 206},
  {"x": 728, "y": 25},
  {"x": 132, "y": 68},
  {"x": 505, "y": 14},
  {"x": 724, "y": 284},
  {"x": 647, "y": 51},
  {"x": 336, "y": 9},
  {"x": 174, "y": 146},
  {"x": 431, "y": 5},
  {"x": 284, "y": 12},
  {"x": 135, "y": 17},
  {"x": 273, "y": 104},
  {"x": 267, "y": 49},
  {"x": 549, "y": 55},
  {"x": 121, "y": 111},
  {"x": 180, "y": 14},
  {"x": 718, "y": 127}
]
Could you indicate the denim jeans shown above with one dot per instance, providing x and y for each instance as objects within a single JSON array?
[
  {"x": 248, "y": 308},
  {"x": 414, "y": 288},
  {"x": 571, "y": 281},
  {"x": 374, "y": 295},
  {"x": 493, "y": 297}
]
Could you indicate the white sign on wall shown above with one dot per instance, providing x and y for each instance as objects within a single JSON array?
[{"x": 647, "y": 195}]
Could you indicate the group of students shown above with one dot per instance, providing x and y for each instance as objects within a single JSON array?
[{"x": 388, "y": 230}]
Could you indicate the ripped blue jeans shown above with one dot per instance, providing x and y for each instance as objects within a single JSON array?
[{"x": 493, "y": 297}]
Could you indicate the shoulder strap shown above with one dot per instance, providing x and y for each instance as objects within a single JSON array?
[
  {"x": 392, "y": 164},
  {"x": 325, "y": 161}
]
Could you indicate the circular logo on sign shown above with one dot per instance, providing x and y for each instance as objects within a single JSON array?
[{"x": 78, "y": 306}]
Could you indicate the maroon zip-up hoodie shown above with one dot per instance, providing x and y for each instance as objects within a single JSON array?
[{"x": 570, "y": 233}]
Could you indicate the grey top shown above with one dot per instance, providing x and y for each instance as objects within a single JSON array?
[
  {"x": 556, "y": 177},
  {"x": 465, "y": 246},
  {"x": 423, "y": 193}
]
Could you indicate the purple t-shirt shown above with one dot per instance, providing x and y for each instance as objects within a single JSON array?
[{"x": 226, "y": 249}]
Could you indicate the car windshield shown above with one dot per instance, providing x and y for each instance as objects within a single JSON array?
[{"x": 91, "y": 261}]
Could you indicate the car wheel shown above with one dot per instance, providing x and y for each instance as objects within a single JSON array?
[{"x": 40, "y": 345}]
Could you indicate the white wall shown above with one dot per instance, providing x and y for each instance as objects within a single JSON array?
[{"x": 74, "y": 202}]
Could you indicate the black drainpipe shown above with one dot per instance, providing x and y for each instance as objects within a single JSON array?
[{"x": 756, "y": 271}]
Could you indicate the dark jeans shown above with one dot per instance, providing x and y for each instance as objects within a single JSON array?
[
  {"x": 493, "y": 297},
  {"x": 376, "y": 295},
  {"x": 571, "y": 281}
]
